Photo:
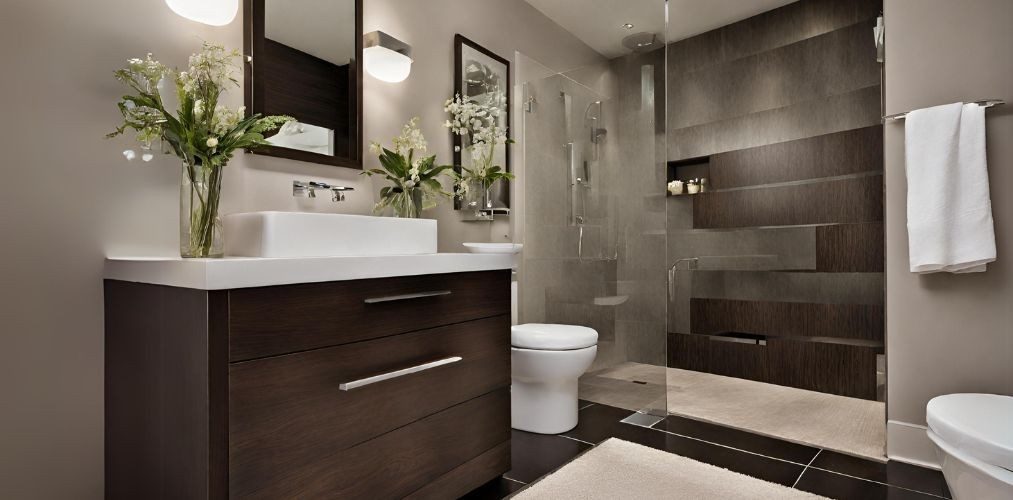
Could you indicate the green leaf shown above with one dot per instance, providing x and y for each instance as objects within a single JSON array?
[
  {"x": 374, "y": 171},
  {"x": 434, "y": 185},
  {"x": 433, "y": 173},
  {"x": 394, "y": 163}
]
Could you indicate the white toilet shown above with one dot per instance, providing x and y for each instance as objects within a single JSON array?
[
  {"x": 547, "y": 361},
  {"x": 973, "y": 434}
]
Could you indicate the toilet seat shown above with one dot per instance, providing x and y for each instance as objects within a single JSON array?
[
  {"x": 545, "y": 337},
  {"x": 978, "y": 425}
]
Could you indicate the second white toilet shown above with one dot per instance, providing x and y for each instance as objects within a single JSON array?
[
  {"x": 973, "y": 434},
  {"x": 547, "y": 362}
]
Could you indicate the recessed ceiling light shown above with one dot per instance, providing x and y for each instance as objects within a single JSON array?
[{"x": 628, "y": 26}]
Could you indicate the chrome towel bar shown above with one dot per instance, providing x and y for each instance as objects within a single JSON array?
[{"x": 985, "y": 103}]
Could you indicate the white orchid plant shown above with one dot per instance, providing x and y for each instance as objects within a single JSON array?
[
  {"x": 415, "y": 179},
  {"x": 479, "y": 122}
]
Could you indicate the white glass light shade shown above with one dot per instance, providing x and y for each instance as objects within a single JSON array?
[
  {"x": 385, "y": 64},
  {"x": 213, "y": 12}
]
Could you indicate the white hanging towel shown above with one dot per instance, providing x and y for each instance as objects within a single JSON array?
[{"x": 949, "y": 211}]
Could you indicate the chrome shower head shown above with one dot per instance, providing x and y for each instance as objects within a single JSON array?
[{"x": 641, "y": 42}]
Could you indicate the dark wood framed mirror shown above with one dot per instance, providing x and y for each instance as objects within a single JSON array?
[
  {"x": 303, "y": 59},
  {"x": 478, "y": 72}
]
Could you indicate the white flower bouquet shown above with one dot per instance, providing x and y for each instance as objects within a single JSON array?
[
  {"x": 479, "y": 121},
  {"x": 202, "y": 133},
  {"x": 415, "y": 181}
]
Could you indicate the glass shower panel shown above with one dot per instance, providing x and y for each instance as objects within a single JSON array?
[{"x": 594, "y": 225}]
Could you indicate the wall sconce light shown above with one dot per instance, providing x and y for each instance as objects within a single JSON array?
[
  {"x": 386, "y": 57},
  {"x": 213, "y": 12}
]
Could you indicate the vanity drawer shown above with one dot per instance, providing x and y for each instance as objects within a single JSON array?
[
  {"x": 277, "y": 320},
  {"x": 291, "y": 417},
  {"x": 395, "y": 464}
]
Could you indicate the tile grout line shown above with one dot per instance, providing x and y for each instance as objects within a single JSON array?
[
  {"x": 796, "y": 463},
  {"x": 724, "y": 446},
  {"x": 553, "y": 471},
  {"x": 807, "y": 467},
  {"x": 880, "y": 482},
  {"x": 575, "y": 439}
]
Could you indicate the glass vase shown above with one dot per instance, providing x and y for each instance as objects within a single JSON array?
[
  {"x": 487, "y": 196},
  {"x": 200, "y": 225},
  {"x": 409, "y": 204},
  {"x": 479, "y": 196}
]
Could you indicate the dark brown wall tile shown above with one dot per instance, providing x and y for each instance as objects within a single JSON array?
[
  {"x": 850, "y": 248},
  {"x": 689, "y": 352},
  {"x": 842, "y": 153},
  {"x": 845, "y": 370},
  {"x": 739, "y": 360},
  {"x": 825, "y": 115},
  {"x": 832, "y": 202},
  {"x": 831, "y": 64},
  {"x": 772, "y": 29}
]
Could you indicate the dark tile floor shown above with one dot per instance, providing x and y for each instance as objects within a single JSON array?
[{"x": 822, "y": 472}]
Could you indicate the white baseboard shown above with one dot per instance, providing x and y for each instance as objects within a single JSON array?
[{"x": 908, "y": 443}]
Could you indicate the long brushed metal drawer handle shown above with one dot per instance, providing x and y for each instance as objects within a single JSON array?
[
  {"x": 347, "y": 386},
  {"x": 407, "y": 296}
]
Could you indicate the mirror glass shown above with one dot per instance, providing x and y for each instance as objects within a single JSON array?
[{"x": 305, "y": 66}]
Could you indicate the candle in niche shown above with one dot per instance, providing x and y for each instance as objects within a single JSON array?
[{"x": 692, "y": 187}]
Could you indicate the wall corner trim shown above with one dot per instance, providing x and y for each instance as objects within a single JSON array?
[{"x": 910, "y": 444}]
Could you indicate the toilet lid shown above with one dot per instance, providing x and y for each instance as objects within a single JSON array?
[
  {"x": 980, "y": 425},
  {"x": 552, "y": 337}
]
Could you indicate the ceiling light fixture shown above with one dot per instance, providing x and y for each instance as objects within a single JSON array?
[
  {"x": 385, "y": 57},
  {"x": 212, "y": 12},
  {"x": 628, "y": 26}
]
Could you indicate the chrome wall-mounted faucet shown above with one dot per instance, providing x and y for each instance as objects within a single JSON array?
[
  {"x": 692, "y": 264},
  {"x": 309, "y": 189}
]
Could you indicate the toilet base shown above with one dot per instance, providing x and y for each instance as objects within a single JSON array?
[
  {"x": 543, "y": 394},
  {"x": 969, "y": 478},
  {"x": 544, "y": 408}
]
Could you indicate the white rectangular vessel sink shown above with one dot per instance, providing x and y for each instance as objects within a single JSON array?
[{"x": 299, "y": 234}]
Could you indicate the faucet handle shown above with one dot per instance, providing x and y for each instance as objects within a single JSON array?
[{"x": 308, "y": 189}]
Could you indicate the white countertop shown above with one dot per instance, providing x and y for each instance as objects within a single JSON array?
[{"x": 245, "y": 272}]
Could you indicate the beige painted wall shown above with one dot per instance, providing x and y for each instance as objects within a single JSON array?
[
  {"x": 500, "y": 26},
  {"x": 68, "y": 198},
  {"x": 947, "y": 333}
]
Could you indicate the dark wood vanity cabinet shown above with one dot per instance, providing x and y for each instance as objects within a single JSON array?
[{"x": 281, "y": 392}]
